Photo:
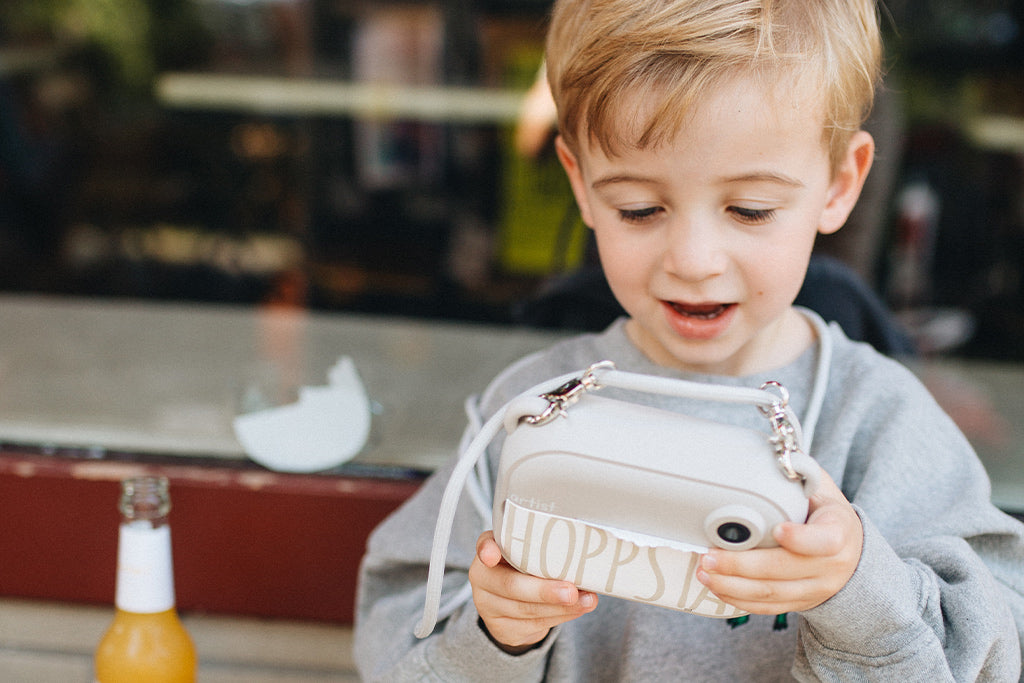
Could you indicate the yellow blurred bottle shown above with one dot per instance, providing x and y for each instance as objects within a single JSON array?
[{"x": 146, "y": 643}]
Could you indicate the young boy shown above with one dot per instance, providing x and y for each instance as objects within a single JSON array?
[{"x": 707, "y": 143}]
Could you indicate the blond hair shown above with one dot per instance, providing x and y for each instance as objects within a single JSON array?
[{"x": 602, "y": 54}]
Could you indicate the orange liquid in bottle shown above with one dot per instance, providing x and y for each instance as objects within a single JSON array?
[{"x": 146, "y": 648}]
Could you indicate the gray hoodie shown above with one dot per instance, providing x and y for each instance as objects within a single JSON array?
[{"x": 938, "y": 594}]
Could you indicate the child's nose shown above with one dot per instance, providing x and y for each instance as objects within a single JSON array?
[{"x": 694, "y": 252}]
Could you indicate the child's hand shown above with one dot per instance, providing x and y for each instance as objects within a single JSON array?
[
  {"x": 519, "y": 609},
  {"x": 814, "y": 560}
]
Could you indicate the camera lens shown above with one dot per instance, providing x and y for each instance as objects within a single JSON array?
[
  {"x": 733, "y": 532},
  {"x": 735, "y": 527}
]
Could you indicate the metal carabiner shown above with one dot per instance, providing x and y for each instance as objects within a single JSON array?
[
  {"x": 567, "y": 394},
  {"x": 783, "y": 433}
]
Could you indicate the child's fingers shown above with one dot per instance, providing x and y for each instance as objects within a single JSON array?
[
  {"x": 813, "y": 562},
  {"x": 522, "y": 593},
  {"x": 802, "y": 550},
  {"x": 806, "y": 551},
  {"x": 529, "y": 590},
  {"x": 764, "y": 597},
  {"x": 487, "y": 549},
  {"x": 506, "y": 581},
  {"x": 769, "y": 581},
  {"x": 759, "y": 564},
  {"x": 827, "y": 535},
  {"x": 519, "y": 609},
  {"x": 508, "y": 604},
  {"x": 833, "y": 530}
]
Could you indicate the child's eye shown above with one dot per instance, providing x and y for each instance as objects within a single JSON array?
[
  {"x": 638, "y": 215},
  {"x": 752, "y": 216}
]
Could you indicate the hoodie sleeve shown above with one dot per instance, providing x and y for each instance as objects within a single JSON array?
[{"x": 939, "y": 591}]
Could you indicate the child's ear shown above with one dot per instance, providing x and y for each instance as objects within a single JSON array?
[
  {"x": 848, "y": 182},
  {"x": 572, "y": 169}
]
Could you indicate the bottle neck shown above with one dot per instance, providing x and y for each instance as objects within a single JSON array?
[{"x": 145, "y": 574}]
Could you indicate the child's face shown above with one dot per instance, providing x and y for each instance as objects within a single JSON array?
[{"x": 705, "y": 240}]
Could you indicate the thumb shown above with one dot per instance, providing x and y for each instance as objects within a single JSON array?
[{"x": 487, "y": 549}]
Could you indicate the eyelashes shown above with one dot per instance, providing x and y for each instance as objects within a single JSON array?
[
  {"x": 744, "y": 215},
  {"x": 752, "y": 216},
  {"x": 638, "y": 215}
]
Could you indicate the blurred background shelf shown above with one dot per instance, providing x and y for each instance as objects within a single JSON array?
[{"x": 345, "y": 155}]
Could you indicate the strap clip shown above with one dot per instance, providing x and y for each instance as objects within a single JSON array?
[
  {"x": 784, "y": 437},
  {"x": 569, "y": 393}
]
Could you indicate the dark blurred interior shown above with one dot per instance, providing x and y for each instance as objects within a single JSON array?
[{"x": 142, "y": 156}]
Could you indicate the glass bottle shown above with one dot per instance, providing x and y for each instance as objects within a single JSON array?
[{"x": 146, "y": 643}]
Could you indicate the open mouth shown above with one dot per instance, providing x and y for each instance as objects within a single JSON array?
[{"x": 700, "y": 311}]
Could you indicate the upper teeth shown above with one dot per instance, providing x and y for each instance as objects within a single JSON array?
[{"x": 705, "y": 311}]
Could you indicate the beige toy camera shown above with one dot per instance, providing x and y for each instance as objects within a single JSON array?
[{"x": 622, "y": 498}]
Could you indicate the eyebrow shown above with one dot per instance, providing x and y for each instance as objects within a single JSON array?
[
  {"x": 614, "y": 179},
  {"x": 764, "y": 177},
  {"x": 755, "y": 177}
]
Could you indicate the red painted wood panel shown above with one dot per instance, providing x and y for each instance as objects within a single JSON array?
[{"x": 245, "y": 541}]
